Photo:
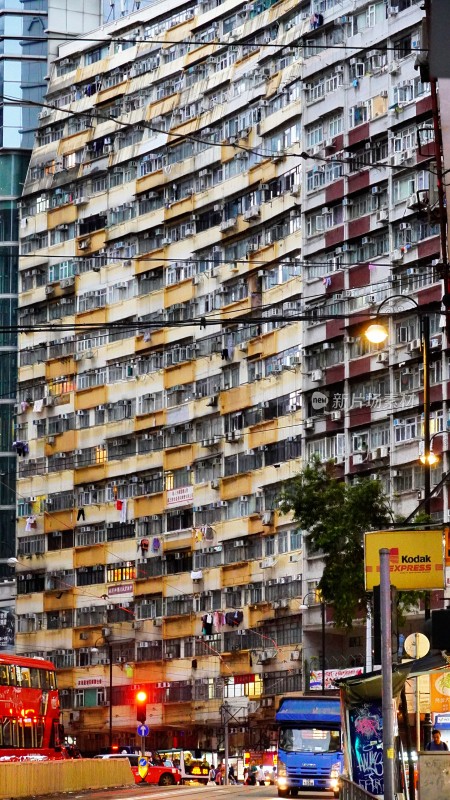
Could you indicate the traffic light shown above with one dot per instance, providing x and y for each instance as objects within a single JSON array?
[{"x": 141, "y": 706}]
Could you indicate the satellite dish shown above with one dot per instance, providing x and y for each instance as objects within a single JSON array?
[{"x": 416, "y": 645}]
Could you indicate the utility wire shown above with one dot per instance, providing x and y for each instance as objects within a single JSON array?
[{"x": 201, "y": 43}]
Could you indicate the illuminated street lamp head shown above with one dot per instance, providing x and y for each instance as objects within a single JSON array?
[
  {"x": 376, "y": 333},
  {"x": 429, "y": 458}
]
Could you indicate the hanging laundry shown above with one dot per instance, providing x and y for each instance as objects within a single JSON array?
[
  {"x": 218, "y": 620},
  {"x": 207, "y": 625},
  {"x": 208, "y": 533},
  {"x": 234, "y": 618},
  {"x": 156, "y": 544},
  {"x": 38, "y": 405},
  {"x": 119, "y": 505},
  {"x": 81, "y": 515},
  {"x": 21, "y": 448},
  {"x": 24, "y": 406},
  {"x": 198, "y": 534},
  {"x": 123, "y": 512},
  {"x": 30, "y": 524}
]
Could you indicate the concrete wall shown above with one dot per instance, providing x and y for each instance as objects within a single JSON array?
[
  {"x": 71, "y": 17},
  {"x": 434, "y": 775},
  {"x": 49, "y": 777}
]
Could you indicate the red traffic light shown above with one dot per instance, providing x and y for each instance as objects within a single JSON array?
[{"x": 141, "y": 706}]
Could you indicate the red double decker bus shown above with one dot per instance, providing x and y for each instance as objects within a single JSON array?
[{"x": 29, "y": 710}]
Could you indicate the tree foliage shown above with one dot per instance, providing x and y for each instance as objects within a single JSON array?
[{"x": 334, "y": 516}]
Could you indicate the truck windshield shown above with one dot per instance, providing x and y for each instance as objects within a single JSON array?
[{"x": 297, "y": 740}]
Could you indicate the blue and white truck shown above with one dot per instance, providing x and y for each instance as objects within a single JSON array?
[{"x": 310, "y": 755}]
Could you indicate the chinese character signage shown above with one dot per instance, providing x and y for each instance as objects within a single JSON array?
[{"x": 180, "y": 497}]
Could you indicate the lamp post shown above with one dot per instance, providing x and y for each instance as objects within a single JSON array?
[
  {"x": 304, "y": 607},
  {"x": 378, "y": 333},
  {"x": 94, "y": 649}
]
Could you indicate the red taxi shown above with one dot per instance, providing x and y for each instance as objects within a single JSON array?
[{"x": 159, "y": 775}]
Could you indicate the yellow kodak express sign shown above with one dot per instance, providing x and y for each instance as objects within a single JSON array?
[{"x": 416, "y": 558}]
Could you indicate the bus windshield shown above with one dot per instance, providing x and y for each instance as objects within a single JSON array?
[{"x": 309, "y": 740}]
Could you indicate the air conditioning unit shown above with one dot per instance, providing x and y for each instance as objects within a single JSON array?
[
  {"x": 267, "y": 655},
  {"x": 227, "y": 224},
  {"x": 309, "y": 423},
  {"x": 316, "y": 375},
  {"x": 157, "y": 622},
  {"x": 384, "y": 451},
  {"x": 267, "y": 518},
  {"x": 358, "y": 458},
  {"x": 295, "y": 655},
  {"x": 414, "y": 345},
  {"x": 267, "y": 563},
  {"x": 382, "y": 358},
  {"x": 215, "y": 484},
  {"x": 396, "y": 256},
  {"x": 336, "y": 415}
]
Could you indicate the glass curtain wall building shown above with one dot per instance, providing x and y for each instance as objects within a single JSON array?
[
  {"x": 23, "y": 66},
  {"x": 29, "y": 32}
]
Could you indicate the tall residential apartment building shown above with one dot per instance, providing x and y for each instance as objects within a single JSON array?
[{"x": 214, "y": 193}]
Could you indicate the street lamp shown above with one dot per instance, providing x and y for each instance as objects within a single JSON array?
[
  {"x": 377, "y": 333},
  {"x": 304, "y": 607},
  {"x": 94, "y": 649}
]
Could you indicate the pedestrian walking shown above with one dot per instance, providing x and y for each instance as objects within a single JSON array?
[
  {"x": 436, "y": 743},
  {"x": 260, "y": 776},
  {"x": 231, "y": 775},
  {"x": 212, "y": 774}
]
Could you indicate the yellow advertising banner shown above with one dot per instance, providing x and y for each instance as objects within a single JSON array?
[
  {"x": 440, "y": 691},
  {"x": 416, "y": 558}
]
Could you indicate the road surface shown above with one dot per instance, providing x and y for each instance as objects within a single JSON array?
[{"x": 190, "y": 792}]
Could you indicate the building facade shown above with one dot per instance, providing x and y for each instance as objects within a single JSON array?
[{"x": 207, "y": 184}]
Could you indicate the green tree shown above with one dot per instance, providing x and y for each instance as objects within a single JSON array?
[{"x": 334, "y": 516}]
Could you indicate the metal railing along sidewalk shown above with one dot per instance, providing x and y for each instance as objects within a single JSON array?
[{"x": 351, "y": 791}]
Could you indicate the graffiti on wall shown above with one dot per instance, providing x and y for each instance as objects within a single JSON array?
[{"x": 366, "y": 737}]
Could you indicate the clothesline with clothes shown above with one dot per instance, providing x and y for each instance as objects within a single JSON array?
[{"x": 218, "y": 619}]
